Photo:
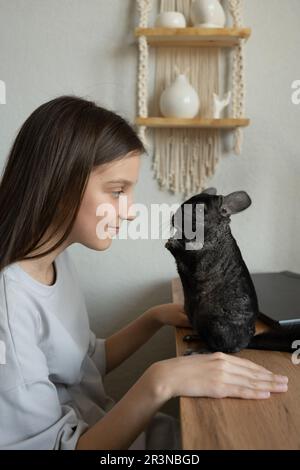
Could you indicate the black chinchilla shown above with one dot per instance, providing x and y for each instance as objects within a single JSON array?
[{"x": 219, "y": 296}]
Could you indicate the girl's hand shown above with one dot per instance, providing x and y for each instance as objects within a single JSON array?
[
  {"x": 171, "y": 314},
  {"x": 216, "y": 375}
]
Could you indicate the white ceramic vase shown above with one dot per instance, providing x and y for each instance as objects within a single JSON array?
[
  {"x": 170, "y": 19},
  {"x": 220, "y": 104},
  {"x": 208, "y": 14},
  {"x": 180, "y": 99}
]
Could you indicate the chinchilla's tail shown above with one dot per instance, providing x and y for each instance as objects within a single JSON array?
[{"x": 280, "y": 339}]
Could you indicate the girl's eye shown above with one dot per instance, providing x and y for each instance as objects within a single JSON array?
[{"x": 116, "y": 194}]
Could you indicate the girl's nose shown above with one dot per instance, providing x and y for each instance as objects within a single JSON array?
[
  {"x": 126, "y": 210},
  {"x": 131, "y": 217}
]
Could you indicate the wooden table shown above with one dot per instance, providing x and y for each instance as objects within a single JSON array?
[{"x": 232, "y": 423}]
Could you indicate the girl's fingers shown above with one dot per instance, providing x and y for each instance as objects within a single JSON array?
[
  {"x": 240, "y": 361},
  {"x": 255, "y": 384},
  {"x": 255, "y": 374},
  {"x": 235, "y": 391},
  {"x": 185, "y": 319}
]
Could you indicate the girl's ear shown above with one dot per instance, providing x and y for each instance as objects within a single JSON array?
[{"x": 234, "y": 203}]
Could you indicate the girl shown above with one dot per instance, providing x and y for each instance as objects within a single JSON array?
[{"x": 69, "y": 157}]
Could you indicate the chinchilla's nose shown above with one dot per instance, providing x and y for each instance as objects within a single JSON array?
[{"x": 168, "y": 244}]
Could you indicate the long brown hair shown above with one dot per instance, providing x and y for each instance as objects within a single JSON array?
[{"x": 48, "y": 167}]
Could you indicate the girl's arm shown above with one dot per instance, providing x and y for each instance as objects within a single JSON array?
[
  {"x": 125, "y": 342},
  {"x": 213, "y": 375},
  {"x": 119, "y": 428}
]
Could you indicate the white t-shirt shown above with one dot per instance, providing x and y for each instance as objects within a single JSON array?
[{"x": 52, "y": 365}]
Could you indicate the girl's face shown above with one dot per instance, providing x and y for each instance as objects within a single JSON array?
[{"x": 106, "y": 184}]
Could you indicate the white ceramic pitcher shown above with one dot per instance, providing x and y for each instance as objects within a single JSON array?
[
  {"x": 180, "y": 99},
  {"x": 208, "y": 14}
]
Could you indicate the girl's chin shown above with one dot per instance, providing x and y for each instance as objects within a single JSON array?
[
  {"x": 105, "y": 241},
  {"x": 99, "y": 244}
]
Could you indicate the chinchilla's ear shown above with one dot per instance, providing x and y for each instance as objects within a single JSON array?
[
  {"x": 210, "y": 191},
  {"x": 234, "y": 203}
]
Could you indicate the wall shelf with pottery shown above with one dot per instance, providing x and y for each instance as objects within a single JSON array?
[
  {"x": 185, "y": 111},
  {"x": 193, "y": 37},
  {"x": 192, "y": 123}
]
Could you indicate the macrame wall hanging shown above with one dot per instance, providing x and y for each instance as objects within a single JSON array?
[{"x": 185, "y": 157}]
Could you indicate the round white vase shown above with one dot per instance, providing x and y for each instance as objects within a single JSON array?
[
  {"x": 170, "y": 19},
  {"x": 180, "y": 99},
  {"x": 207, "y": 14}
]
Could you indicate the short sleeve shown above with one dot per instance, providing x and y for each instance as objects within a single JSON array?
[
  {"x": 97, "y": 352},
  {"x": 32, "y": 417}
]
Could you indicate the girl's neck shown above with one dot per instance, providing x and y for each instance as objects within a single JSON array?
[
  {"x": 45, "y": 275},
  {"x": 43, "y": 269}
]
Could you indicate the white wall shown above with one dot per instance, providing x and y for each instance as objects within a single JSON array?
[{"x": 86, "y": 47}]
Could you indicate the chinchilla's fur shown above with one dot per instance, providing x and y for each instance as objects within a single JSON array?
[{"x": 219, "y": 295}]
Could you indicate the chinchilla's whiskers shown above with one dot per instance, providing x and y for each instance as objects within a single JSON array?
[{"x": 166, "y": 225}]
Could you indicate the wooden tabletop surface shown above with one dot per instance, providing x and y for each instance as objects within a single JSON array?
[{"x": 238, "y": 424}]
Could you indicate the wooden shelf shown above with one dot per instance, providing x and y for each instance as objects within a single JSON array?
[
  {"x": 203, "y": 123},
  {"x": 193, "y": 37}
]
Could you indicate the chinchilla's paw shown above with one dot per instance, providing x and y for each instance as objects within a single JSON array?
[
  {"x": 190, "y": 338},
  {"x": 190, "y": 352}
]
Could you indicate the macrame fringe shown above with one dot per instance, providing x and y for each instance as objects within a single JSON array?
[
  {"x": 144, "y": 7},
  {"x": 185, "y": 158},
  {"x": 238, "y": 73}
]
